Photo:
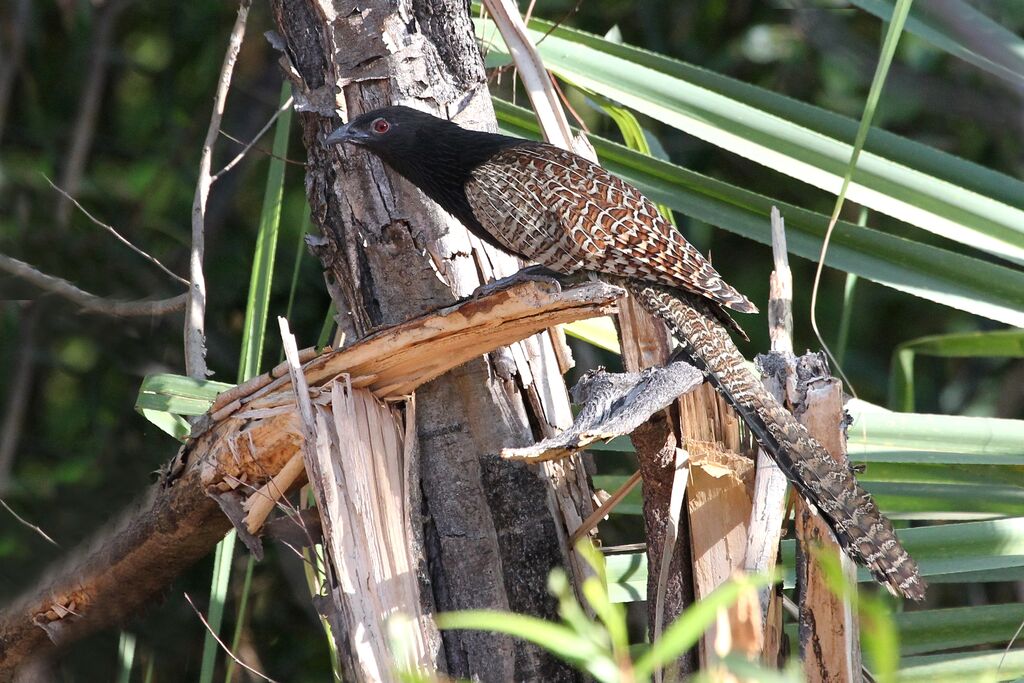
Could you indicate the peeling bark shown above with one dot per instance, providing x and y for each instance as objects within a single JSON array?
[{"x": 494, "y": 529}]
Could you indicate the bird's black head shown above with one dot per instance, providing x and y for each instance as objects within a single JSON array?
[
  {"x": 389, "y": 131},
  {"x": 433, "y": 153}
]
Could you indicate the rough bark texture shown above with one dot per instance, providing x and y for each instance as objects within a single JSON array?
[
  {"x": 493, "y": 529},
  {"x": 116, "y": 575}
]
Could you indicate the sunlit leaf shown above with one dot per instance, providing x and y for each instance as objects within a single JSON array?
[{"x": 940, "y": 275}]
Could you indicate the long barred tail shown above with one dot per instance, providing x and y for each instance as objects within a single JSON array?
[{"x": 861, "y": 529}]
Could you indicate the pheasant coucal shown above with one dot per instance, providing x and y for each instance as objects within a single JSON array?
[{"x": 563, "y": 212}]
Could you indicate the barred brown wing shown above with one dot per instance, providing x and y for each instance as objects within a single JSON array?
[{"x": 569, "y": 214}]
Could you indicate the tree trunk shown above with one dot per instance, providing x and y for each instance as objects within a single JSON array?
[{"x": 492, "y": 530}]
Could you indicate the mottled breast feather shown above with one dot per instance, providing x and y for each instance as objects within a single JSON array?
[{"x": 564, "y": 212}]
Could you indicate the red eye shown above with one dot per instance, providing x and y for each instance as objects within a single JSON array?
[{"x": 380, "y": 126}]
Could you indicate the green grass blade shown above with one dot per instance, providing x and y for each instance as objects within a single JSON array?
[
  {"x": 1003, "y": 50},
  {"x": 557, "y": 639},
  {"x": 125, "y": 656},
  {"x": 901, "y": 380},
  {"x": 952, "y": 549},
  {"x": 177, "y": 427},
  {"x": 300, "y": 252},
  {"x": 998, "y": 343},
  {"x": 258, "y": 302},
  {"x": 921, "y": 186},
  {"x": 164, "y": 398},
  {"x": 243, "y": 605},
  {"x": 218, "y": 596},
  {"x": 892, "y": 37},
  {"x": 256, "y": 312},
  {"x": 878, "y": 436},
  {"x": 178, "y": 394},
  {"x": 626, "y": 577},
  {"x": 843, "y": 337},
  {"x": 964, "y": 552},
  {"x": 324, "y": 337},
  {"x": 633, "y": 135},
  {"x": 687, "y": 629},
  {"x": 940, "y": 275}
]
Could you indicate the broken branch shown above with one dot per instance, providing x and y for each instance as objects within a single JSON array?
[{"x": 252, "y": 439}]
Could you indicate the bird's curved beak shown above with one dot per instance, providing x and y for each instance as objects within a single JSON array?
[{"x": 346, "y": 134}]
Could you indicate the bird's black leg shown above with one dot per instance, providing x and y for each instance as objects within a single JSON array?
[{"x": 534, "y": 273}]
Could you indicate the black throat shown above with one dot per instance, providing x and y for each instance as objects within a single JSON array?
[{"x": 438, "y": 157}]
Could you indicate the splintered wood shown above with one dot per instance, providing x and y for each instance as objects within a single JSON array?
[
  {"x": 252, "y": 432},
  {"x": 358, "y": 462},
  {"x": 246, "y": 453},
  {"x": 828, "y": 626}
]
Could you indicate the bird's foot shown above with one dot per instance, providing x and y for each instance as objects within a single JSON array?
[{"x": 535, "y": 273}]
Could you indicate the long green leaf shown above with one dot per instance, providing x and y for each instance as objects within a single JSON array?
[
  {"x": 926, "y": 188},
  {"x": 1001, "y": 53},
  {"x": 940, "y": 275},
  {"x": 960, "y": 552},
  {"x": 633, "y": 135},
  {"x": 959, "y": 627},
  {"x": 977, "y": 667},
  {"x": 597, "y": 331},
  {"x": 178, "y": 394},
  {"x": 125, "y": 656},
  {"x": 999, "y": 343},
  {"x": 219, "y": 581},
  {"x": 164, "y": 398},
  {"x": 879, "y": 435}
]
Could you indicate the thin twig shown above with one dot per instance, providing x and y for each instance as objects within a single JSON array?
[
  {"x": 565, "y": 17},
  {"x": 252, "y": 143},
  {"x": 1009, "y": 646},
  {"x": 223, "y": 646},
  {"x": 116, "y": 234},
  {"x": 263, "y": 150},
  {"x": 605, "y": 508},
  {"x": 87, "y": 301},
  {"x": 768, "y": 507},
  {"x": 27, "y": 523},
  {"x": 195, "y": 316},
  {"x": 568, "y": 105}
]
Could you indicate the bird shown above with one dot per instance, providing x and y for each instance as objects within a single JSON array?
[{"x": 552, "y": 207}]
